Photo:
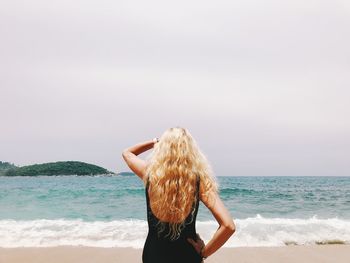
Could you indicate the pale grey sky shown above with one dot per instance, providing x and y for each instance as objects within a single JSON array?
[{"x": 263, "y": 86}]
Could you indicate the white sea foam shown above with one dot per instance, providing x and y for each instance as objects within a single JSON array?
[{"x": 257, "y": 231}]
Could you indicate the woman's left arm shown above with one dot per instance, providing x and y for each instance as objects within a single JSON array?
[{"x": 136, "y": 164}]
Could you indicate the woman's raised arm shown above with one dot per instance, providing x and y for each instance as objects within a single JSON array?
[{"x": 136, "y": 164}]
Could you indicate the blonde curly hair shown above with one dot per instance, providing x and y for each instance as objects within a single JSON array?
[{"x": 174, "y": 166}]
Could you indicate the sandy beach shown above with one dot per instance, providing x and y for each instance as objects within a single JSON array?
[{"x": 70, "y": 254}]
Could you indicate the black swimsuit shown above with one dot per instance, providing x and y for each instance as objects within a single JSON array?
[{"x": 160, "y": 249}]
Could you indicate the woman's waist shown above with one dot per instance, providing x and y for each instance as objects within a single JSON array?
[{"x": 167, "y": 235}]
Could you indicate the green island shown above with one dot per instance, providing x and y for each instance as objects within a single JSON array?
[{"x": 52, "y": 168}]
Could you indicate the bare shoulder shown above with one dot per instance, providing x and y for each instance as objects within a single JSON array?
[{"x": 143, "y": 170}]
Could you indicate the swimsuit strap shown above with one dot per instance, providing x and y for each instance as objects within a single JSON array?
[{"x": 197, "y": 190}]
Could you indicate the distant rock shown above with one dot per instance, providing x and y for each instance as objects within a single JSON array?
[{"x": 54, "y": 168}]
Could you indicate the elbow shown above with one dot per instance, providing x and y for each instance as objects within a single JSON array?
[
  {"x": 230, "y": 227},
  {"x": 125, "y": 154}
]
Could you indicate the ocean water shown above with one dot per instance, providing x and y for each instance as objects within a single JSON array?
[{"x": 110, "y": 211}]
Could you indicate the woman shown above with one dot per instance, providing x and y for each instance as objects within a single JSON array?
[{"x": 177, "y": 176}]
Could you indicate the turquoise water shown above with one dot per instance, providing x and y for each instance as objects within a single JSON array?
[
  {"x": 112, "y": 198},
  {"x": 110, "y": 211}
]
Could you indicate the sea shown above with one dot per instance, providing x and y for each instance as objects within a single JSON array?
[{"x": 110, "y": 211}]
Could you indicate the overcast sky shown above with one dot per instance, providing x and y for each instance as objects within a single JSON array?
[{"x": 263, "y": 86}]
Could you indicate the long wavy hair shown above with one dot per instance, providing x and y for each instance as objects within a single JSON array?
[{"x": 174, "y": 166}]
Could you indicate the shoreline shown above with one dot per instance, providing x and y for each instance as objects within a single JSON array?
[{"x": 81, "y": 254}]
